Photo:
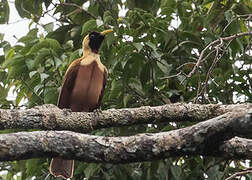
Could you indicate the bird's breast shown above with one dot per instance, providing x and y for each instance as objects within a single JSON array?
[{"x": 88, "y": 87}]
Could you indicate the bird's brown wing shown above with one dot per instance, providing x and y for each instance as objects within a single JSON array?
[
  {"x": 105, "y": 75},
  {"x": 68, "y": 84}
]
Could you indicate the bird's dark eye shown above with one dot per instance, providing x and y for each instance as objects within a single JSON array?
[{"x": 91, "y": 36}]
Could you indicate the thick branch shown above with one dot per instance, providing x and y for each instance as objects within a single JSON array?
[
  {"x": 49, "y": 117},
  {"x": 204, "y": 138}
]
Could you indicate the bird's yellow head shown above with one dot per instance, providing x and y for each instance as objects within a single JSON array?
[{"x": 93, "y": 40}]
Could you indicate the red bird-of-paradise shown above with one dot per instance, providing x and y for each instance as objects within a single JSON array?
[{"x": 82, "y": 90}]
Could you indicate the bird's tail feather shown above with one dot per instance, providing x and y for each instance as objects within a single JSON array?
[{"x": 62, "y": 168}]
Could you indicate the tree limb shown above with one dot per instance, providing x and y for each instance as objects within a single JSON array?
[
  {"x": 50, "y": 117},
  {"x": 205, "y": 138}
]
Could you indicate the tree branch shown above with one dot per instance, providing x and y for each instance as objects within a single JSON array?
[
  {"x": 50, "y": 117},
  {"x": 241, "y": 173},
  {"x": 79, "y": 8},
  {"x": 204, "y": 138},
  {"x": 214, "y": 43}
]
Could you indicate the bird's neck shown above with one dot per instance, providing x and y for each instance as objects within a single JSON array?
[
  {"x": 88, "y": 52},
  {"x": 89, "y": 56}
]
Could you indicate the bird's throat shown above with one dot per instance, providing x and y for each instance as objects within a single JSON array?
[{"x": 90, "y": 57}]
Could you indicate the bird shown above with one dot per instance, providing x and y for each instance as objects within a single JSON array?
[{"x": 82, "y": 90}]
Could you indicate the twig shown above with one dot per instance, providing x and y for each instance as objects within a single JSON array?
[
  {"x": 205, "y": 58},
  {"x": 188, "y": 63},
  {"x": 212, "y": 44},
  {"x": 18, "y": 21},
  {"x": 171, "y": 76},
  {"x": 247, "y": 16},
  {"x": 79, "y": 7},
  {"x": 28, "y": 87},
  {"x": 198, "y": 89},
  {"x": 216, "y": 59},
  {"x": 246, "y": 171}
]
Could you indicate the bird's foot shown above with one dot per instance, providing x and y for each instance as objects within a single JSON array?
[
  {"x": 97, "y": 113},
  {"x": 98, "y": 110},
  {"x": 67, "y": 111}
]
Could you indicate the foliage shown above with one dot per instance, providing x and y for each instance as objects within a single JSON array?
[{"x": 153, "y": 47}]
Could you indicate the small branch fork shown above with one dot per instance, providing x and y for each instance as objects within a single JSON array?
[
  {"x": 215, "y": 46},
  {"x": 241, "y": 173},
  {"x": 79, "y": 8},
  {"x": 220, "y": 41}
]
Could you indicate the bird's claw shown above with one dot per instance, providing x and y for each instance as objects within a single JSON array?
[
  {"x": 97, "y": 113},
  {"x": 67, "y": 111}
]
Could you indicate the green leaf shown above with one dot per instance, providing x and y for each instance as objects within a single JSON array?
[
  {"x": 4, "y": 12},
  {"x": 91, "y": 169},
  {"x": 145, "y": 74},
  {"x": 165, "y": 67},
  {"x": 57, "y": 62},
  {"x": 2, "y": 59},
  {"x": 18, "y": 71},
  {"x": 207, "y": 2},
  {"x": 176, "y": 172},
  {"x": 29, "y": 9},
  {"x": 241, "y": 8},
  {"x": 48, "y": 27},
  {"x": 75, "y": 55},
  {"x": 50, "y": 95},
  {"x": 139, "y": 46},
  {"x": 46, "y": 43},
  {"x": 9, "y": 176},
  {"x": 88, "y": 26},
  {"x": 168, "y": 7},
  {"x": 126, "y": 99},
  {"x": 150, "y": 44},
  {"x": 42, "y": 56},
  {"x": 30, "y": 38},
  {"x": 134, "y": 65},
  {"x": 68, "y": 45},
  {"x": 107, "y": 18},
  {"x": 61, "y": 34},
  {"x": 30, "y": 63},
  {"x": 32, "y": 73},
  {"x": 15, "y": 61},
  {"x": 33, "y": 166},
  {"x": 9, "y": 54},
  {"x": 115, "y": 90},
  {"x": 110, "y": 39},
  {"x": 1, "y": 37},
  {"x": 47, "y": 3},
  {"x": 136, "y": 85},
  {"x": 19, "y": 4},
  {"x": 43, "y": 76}
]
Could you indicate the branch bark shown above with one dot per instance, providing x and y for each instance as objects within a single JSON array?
[
  {"x": 50, "y": 117},
  {"x": 205, "y": 138}
]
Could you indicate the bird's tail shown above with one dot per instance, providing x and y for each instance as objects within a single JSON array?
[{"x": 61, "y": 167}]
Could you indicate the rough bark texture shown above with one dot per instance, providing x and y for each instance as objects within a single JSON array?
[
  {"x": 49, "y": 117},
  {"x": 210, "y": 138}
]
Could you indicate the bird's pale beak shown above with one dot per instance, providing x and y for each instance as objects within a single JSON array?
[{"x": 106, "y": 32}]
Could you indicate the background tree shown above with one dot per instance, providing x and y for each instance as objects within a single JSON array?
[{"x": 157, "y": 55}]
